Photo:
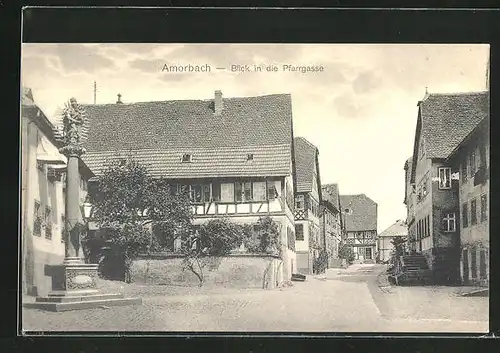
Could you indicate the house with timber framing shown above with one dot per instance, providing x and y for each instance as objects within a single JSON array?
[{"x": 234, "y": 155}]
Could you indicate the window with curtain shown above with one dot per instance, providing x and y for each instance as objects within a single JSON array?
[
  {"x": 259, "y": 190},
  {"x": 227, "y": 191}
]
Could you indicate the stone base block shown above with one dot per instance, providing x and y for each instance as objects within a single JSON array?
[
  {"x": 81, "y": 302},
  {"x": 74, "y": 286}
]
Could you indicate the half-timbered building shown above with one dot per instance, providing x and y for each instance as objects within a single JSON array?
[
  {"x": 234, "y": 155},
  {"x": 359, "y": 215},
  {"x": 309, "y": 238}
]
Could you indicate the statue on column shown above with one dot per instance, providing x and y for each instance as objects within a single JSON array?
[{"x": 73, "y": 129}]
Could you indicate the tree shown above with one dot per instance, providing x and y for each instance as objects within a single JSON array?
[
  {"x": 346, "y": 252},
  {"x": 127, "y": 201},
  {"x": 398, "y": 244},
  {"x": 214, "y": 240}
]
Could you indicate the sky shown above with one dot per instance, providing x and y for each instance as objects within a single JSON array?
[{"x": 360, "y": 110}]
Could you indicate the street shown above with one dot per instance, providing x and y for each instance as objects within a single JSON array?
[{"x": 351, "y": 300}]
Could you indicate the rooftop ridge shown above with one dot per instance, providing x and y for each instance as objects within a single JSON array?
[
  {"x": 457, "y": 93},
  {"x": 207, "y": 100}
]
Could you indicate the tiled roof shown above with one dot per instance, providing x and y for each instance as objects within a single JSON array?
[
  {"x": 362, "y": 215},
  {"x": 158, "y": 133},
  {"x": 399, "y": 228},
  {"x": 205, "y": 162},
  {"x": 305, "y": 158},
  {"x": 448, "y": 118},
  {"x": 330, "y": 193}
]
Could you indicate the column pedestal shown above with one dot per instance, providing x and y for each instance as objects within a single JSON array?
[{"x": 74, "y": 286}]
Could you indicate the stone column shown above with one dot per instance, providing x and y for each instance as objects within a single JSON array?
[{"x": 72, "y": 207}]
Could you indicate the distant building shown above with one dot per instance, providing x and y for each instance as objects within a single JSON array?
[
  {"x": 444, "y": 120},
  {"x": 42, "y": 197},
  {"x": 309, "y": 238},
  {"x": 359, "y": 217},
  {"x": 233, "y": 155},
  {"x": 471, "y": 161},
  {"x": 331, "y": 225},
  {"x": 385, "y": 246}
]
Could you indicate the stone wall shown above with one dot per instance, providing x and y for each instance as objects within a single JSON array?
[{"x": 238, "y": 270}]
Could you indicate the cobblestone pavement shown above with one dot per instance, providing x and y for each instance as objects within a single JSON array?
[{"x": 341, "y": 301}]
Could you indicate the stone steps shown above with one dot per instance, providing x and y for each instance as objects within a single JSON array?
[
  {"x": 65, "y": 303},
  {"x": 74, "y": 299}
]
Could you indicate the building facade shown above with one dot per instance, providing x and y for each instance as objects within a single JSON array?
[
  {"x": 309, "y": 238},
  {"x": 409, "y": 201},
  {"x": 385, "y": 245},
  {"x": 471, "y": 162},
  {"x": 443, "y": 121},
  {"x": 331, "y": 225},
  {"x": 234, "y": 155},
  {"x": 359, "y": 217},
  {"x": 42, "y": 197}
]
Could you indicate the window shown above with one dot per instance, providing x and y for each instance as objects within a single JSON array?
[
  {"x": 199, "y": 193},
  {"x": 243, "y": 191},
  {"x": 473, "y": 212},
  {"x": 259, "y": 191},
  {"x": 299, "y": 231},
  {"x": 428, "y": 227},
  {"x": 48, "y": 223},
  {"x": 250, "y": 157},
  {"x": 465, "y": 216},
  {"x": 449, "y": 222},
  {"x": 227, "y": 192},
  {"x": 299, "y": 203},
  {"x": 195, "y": 193},
  {"x": 271, "y": 190},
  {"x": 444, "y": 178},
  {"x": 186, "y": 158},
  {"x": 464, "y": 172},
  {"x": 83, "y": 184},
  {"x": 473, "y": 263},
  {"x": 484, "y": 207},
  {"x": 37, "y": 219},
  {"x": 472, "y": 163},
  {"x": 63, "y": 228}
]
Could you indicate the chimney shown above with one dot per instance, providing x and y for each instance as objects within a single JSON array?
[
  {"x": 119, "y": 101},
  {"x": 218, "y": 105}
]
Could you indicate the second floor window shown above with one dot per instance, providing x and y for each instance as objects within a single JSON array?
[
  {"x": 472, "y": 163},
  {"x": 473, "y": 212},
  {"x": 444, "y": 178},
  {"x": 243, "y": 191},
  {"x": 299, "y": 203},
  {"x": 37, "y": 219},
  {"x": 464, "y": 173},
  {"x": 449, "y": 222},
  {"x": 48, "y": 223},
  {"x": 299, "y": 231},
  {"x": 63, "y": 228},
  {"x": 484, "y": 207}
]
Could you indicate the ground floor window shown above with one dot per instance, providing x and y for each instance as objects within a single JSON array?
[
  {"x": 473, "y": 263},
  {"x": 482, "y": 264},
  {"x": 368, "y": 253},
  {"x": 465, "y": 264}
]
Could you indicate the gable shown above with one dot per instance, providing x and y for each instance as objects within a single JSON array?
[{"x": 306, "y": 165}]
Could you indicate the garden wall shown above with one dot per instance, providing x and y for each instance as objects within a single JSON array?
[{"x": 238, "y": 270}]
